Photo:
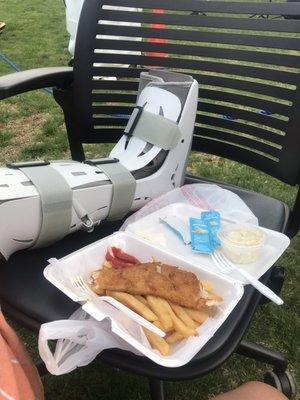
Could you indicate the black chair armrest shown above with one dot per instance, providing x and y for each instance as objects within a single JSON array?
[{"x": 32, "y": 79}]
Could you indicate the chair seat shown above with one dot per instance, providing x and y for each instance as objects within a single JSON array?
[{"x": 30, "y": 299}]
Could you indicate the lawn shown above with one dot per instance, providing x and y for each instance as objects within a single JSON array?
[{"x": 31, "y": 126}]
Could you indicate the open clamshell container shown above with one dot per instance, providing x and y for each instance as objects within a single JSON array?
[
  {"x": 90, "y": 258},
  {"x": 163, "y": 237}
]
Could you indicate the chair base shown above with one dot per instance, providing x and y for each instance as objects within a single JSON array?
[
  {"x": 283, "y": 381},
  {"x": 280, "y": 377},
  {"x": 156, "y": 389}
]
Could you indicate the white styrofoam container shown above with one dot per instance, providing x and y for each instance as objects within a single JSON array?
[
  {"x": 275, "y": 244},
  {"x": 86, "y": 260}
]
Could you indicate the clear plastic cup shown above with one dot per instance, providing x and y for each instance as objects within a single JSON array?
[{"x": 241, "y": 243}]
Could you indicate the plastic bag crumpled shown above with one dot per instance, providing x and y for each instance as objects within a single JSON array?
[
  {"x": 79, "y": 340},
  {"x": 202, "y": 195}
]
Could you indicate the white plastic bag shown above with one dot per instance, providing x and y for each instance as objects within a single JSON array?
[
  {"x": 202, "y": 195},
  {"x": 79, "y": 340}
]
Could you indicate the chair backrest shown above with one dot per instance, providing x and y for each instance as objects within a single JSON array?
[{"x": 245, "y": 55}]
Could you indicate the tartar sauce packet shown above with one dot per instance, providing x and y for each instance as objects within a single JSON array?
[
  {"x": 213, "y": 220},
  {"x": 178, "y": 226},
  {"x": 200, "y": 236}
]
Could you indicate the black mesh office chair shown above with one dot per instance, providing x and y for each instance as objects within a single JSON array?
[{"x": 249, "y": 111}]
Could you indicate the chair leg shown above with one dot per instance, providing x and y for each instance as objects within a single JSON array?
[
  {"x": 156, "y": 389},
  {"x": 263, "y": 354}
]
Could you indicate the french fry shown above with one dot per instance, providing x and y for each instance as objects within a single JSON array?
[
  {"x": 179, "y": 325},
  {"x": 158, "y": 308},
  {"x": 136, "y": 305},
  {"x": 174, "y": 337},
  {"x": 180, "y": 312},
  {"x": 157, "y": 342},
  {"x": 158, "y": 324},
  {"x": 141, "y": 299},
  {"x": 197, "y": 315}
]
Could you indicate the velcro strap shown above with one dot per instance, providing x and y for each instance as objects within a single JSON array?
[
  {"x": 123, "y": 190},
  {"x": 56, "y": 200},
  {"x": 154, "y": 129}
]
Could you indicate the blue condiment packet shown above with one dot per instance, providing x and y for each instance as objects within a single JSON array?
[
  {"x": 200, "y": 236},
  {"x": 213, "y": 217},
  {"x": 178, "y": 226},
  {"x": 213, "y": 220}
]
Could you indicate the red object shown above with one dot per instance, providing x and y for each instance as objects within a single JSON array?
[
  {"x": 115, "y": 262},
  {"x": 157, "y": 40},
  {"x": 119, "y": 259},
  {"x": 121, "y": 255}
]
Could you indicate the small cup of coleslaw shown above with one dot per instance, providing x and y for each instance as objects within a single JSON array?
[{"x": 241, "y": 243}]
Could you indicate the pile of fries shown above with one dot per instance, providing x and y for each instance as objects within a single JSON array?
[{"x": 177, "y": 321}]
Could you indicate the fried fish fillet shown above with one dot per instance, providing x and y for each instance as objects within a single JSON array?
[{"x": 166, "y": 281}]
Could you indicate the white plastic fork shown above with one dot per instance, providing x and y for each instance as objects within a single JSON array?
[
  {"x": 80, "y": 284},
  {"x": 225, "y": 266}
]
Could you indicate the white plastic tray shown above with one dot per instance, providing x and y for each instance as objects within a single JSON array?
[
  {"x": 90, "y": 258},
  {"x": 276, "y": 242}
]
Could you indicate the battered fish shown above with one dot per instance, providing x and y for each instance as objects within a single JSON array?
[{"x": 166, "y": 281}]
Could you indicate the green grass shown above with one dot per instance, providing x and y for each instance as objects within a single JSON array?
[{"x": 31, "y": 126}]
